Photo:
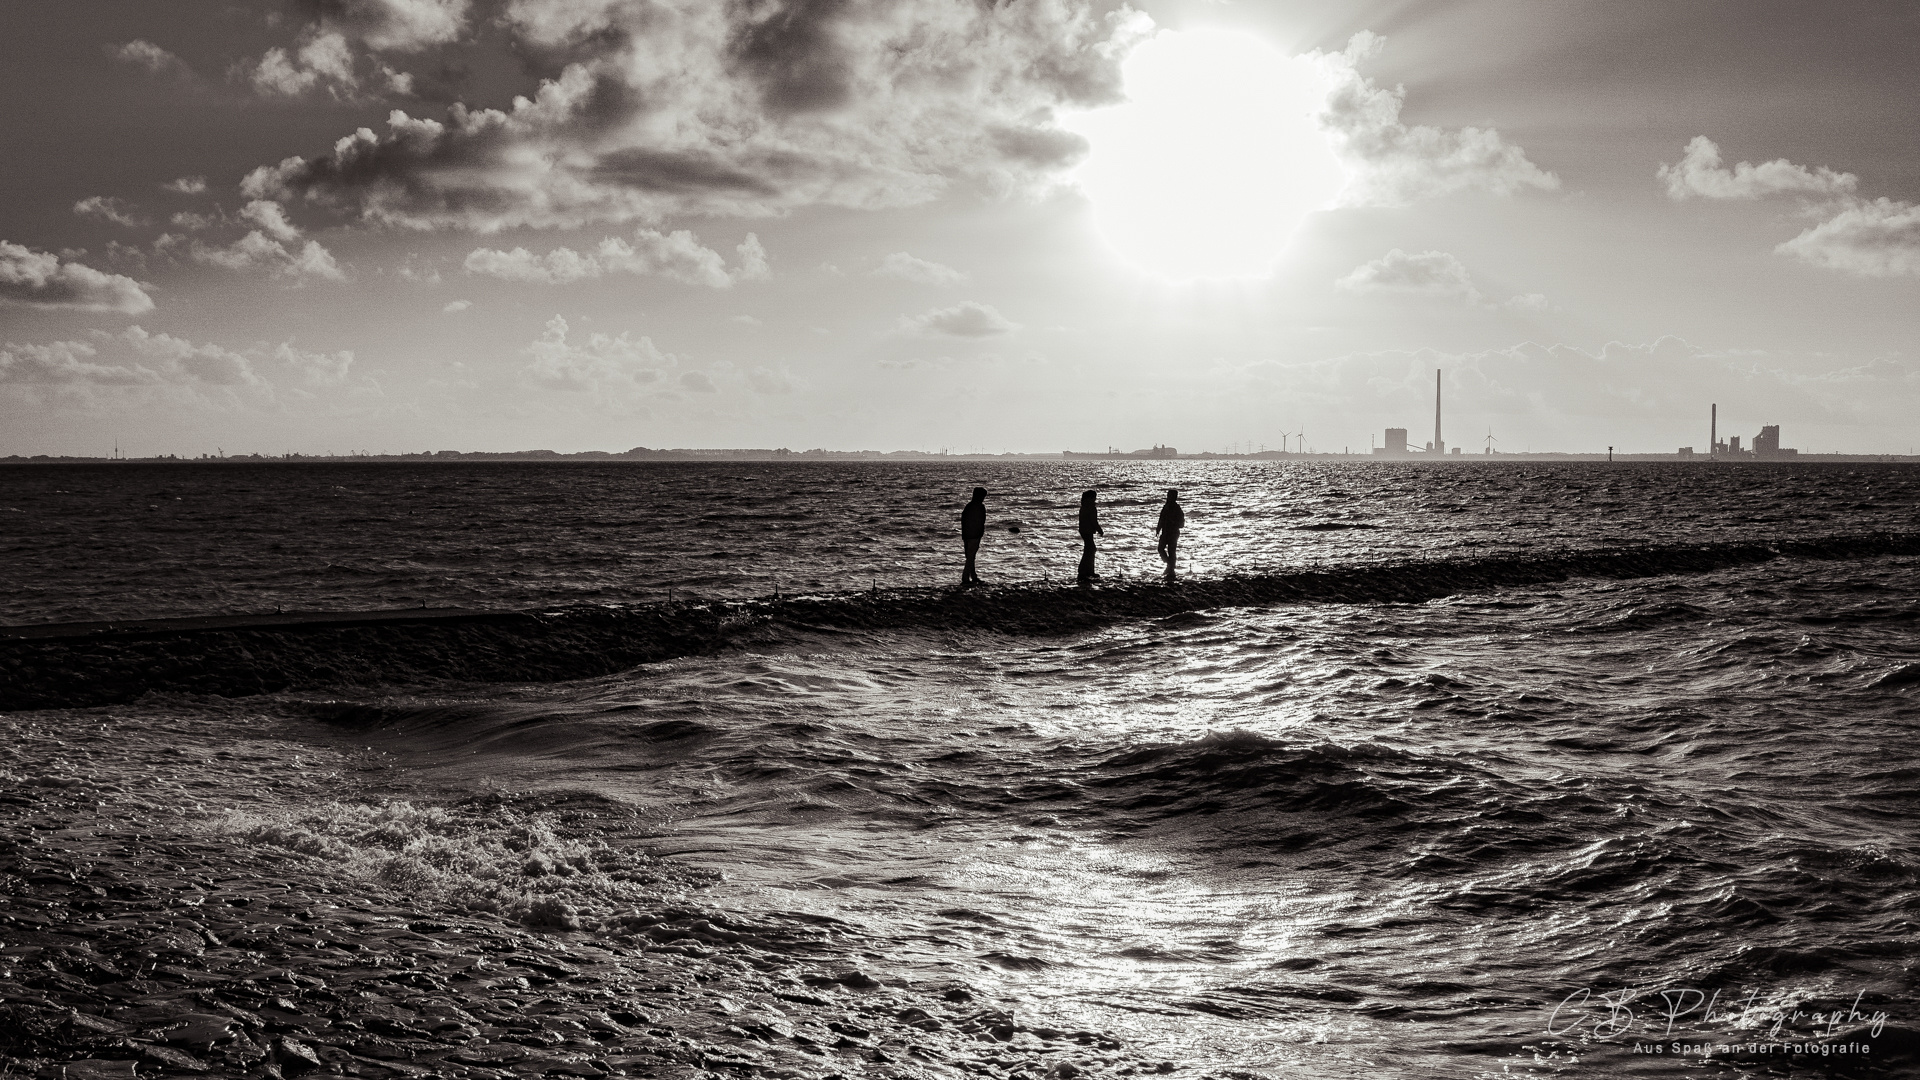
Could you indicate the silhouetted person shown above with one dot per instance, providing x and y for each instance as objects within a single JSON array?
[
  {"x": 973, "y": 526},
  {"x": 1089, "y": 528},
  {"x": 1172, "y": 520}
]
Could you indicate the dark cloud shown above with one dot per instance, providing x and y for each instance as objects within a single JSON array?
[
  {"x": 791, "y": 50},
  {"x": 745, "y": 108}
]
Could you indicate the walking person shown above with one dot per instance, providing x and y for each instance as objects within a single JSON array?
[
  {"x": 973, "y": 526},
  {"x": 1172, "y": 520},
  {"x": 1089, "y": 528}
]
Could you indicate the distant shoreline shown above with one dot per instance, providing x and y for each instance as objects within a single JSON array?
[{"x": 644, "y": 455}]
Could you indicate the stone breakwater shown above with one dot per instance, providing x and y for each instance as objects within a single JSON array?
[
  {"x": 99, "y": 664},
  {"x": 141, "y": 935}
]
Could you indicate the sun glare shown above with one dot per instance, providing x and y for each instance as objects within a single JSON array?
[{"x": 1214, "y": 161}]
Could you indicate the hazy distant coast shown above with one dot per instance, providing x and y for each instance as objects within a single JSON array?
[{"x": 642, "y": 453}]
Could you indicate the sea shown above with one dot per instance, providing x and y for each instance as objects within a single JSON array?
[{"x": 1600, "y": 827}]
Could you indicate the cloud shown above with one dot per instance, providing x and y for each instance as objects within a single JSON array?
[
  {"x": 398, "y": 25},
  {"x": 698, "y": 382},
  {"x": 271, "y": 217},
  {"x": 1394, "y": 164},
  {"x": 41, "y": 279},
  {"x": 1430, "y": 273},
  {"x": 965, "y": 319},
  {"x": 739, "y": 109},
  {"x": 1433, "y": 273},
  {"x": 148, "y": 55},
  {"x": 1878, "y": 238},
  {"x": 678, "y": 255},
  {"x": 610, "y": 366},
  {"x": 186, "y": 185},
  {"x": 1871, "y": 239},
  {"x": 134, "y": 357},
  {"x": 64, "y": 362},
  {"x": 768, "y": 381},
  {"x": 321, "y": 369},
  {"x": 193, "y": 222},
  {"x": 906, "y": 267},
  {"x": 109, "y": 208},
  {"x": 1699, "y": 173},
  {"x": 257, "y": 251},
  {"x": 322, "y": 61},
  {"x": 137, "y": 357},
  {"x": 456, "y": 307}
]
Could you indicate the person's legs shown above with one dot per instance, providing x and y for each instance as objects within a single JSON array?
[
  {"x": 968, "y": 576},
  {"x": 1086, "y": 559},
  {"x": 1170, "y": 550}
]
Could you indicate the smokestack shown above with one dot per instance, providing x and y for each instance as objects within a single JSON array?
[
  {"x": 1713, "y": 430},
  {"x": 1438, "y": 446}
]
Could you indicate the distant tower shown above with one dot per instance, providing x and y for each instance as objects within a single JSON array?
[
  {"x": 1713, "y": 431},
  {"x": 1438, "y": 446}
]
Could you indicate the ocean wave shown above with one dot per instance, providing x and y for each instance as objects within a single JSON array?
[{"x": 107, "y": 663}]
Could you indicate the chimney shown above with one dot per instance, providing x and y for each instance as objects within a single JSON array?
[
  {"x": 1713, "y": 431},
  {"x": 1438, "y": 446}
]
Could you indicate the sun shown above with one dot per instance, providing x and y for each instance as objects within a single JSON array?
[{"x": 1215, "y": 159}]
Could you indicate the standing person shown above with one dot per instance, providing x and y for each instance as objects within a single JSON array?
[
  {"x": 1089, "y": 528},
  {"x": 1172, "y": 520},
  {"x": 973, "y": 526}
]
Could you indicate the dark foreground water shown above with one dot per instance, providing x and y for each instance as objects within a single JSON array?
[{"x": 1536, "y": 831}]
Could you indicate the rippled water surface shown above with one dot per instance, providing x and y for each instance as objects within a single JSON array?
[
  {"x": 1302, "y": 840},
  {"x": 119, "y": 541}
]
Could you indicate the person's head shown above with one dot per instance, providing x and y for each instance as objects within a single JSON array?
[
  {"x": 1086, "y": 497},
  {"x": 1172, "y": 495},
  {"x": 979, "y": 493}
]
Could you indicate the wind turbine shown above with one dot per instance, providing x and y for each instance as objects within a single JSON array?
[
  {"x": 1490, "y": 440},
  {"x": 1284, "y": 436}
]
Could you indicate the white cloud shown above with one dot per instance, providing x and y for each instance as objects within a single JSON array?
[
  {"x": 698, "y": 382},
  {"x": 1871, "y": 239},
  {"x": 906, "y": 267},
  {"x": 690, "y": 106},
  {"x": 609, "y": 366},
  {"x": 147, "y": 55},
  {"x": 271, "y": 217},
  {"x": 1394, "y": 164},
  {"x": 965, "y": 319},
  {"x": 64, "y": 362},
  {"x": 1699, "y": 173},
  {"x": 41, "y": 279},
  {"x": 193, "y": 222},
  {"x": 456, "y": 307},
  {"x": 678, "y": 255},
  {"x": 136, "y": 357},
  {"x": 186, "y": 185},
  {"x": 401, "y": 25},
  {"x": 257, "y": 251},
  {"x": 1433, "y": 273},
  {"x": 109, "y": 208},
  {"x": 322, "y": 61},
  {"x": 323, "y": 369}
]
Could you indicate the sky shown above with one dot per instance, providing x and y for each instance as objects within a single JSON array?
[{"x": 387, "y": 226}]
